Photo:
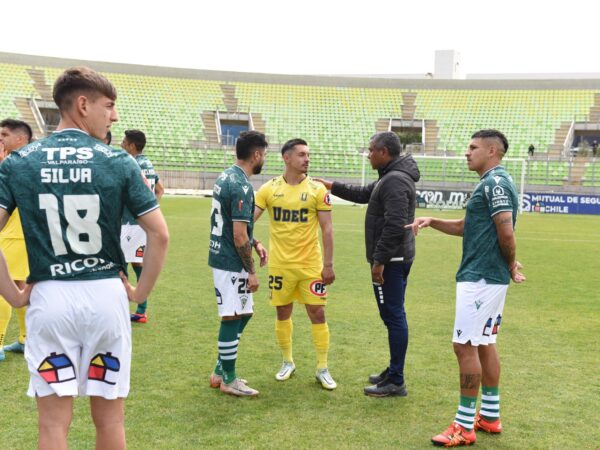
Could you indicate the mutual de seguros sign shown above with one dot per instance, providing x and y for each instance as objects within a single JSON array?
[{"x": 535, "y": 202}]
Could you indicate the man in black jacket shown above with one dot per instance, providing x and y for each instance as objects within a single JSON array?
[{"x": 390, "y": 248}]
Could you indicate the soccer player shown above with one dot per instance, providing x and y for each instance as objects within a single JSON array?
[
  {"x": 297, "y": 272},
  {"x": 14, "y": 134},
  {"x": 230, "y": 256},
  {"x": 488, "y": 264},
  {"x": 70, "y": 189},
  {"x": 133, "y": 238}
]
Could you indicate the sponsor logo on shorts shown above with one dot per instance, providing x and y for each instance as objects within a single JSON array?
[
  {"x": 458, "y": 332},
  {"x": 219, "y": 297},
  {"x": 57, "y": 369},
  {"x": 104, "y": 367},
  {"x": 139, "y": 253},
  {"x": 318, "y": 288},
  {"x": 478, "y": 304},
  {"x": 492, "y": 326}
]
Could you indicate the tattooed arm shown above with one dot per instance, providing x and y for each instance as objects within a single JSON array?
[
  {"x": 507, "y": 243},
  {"x": 244, "y": 249}
]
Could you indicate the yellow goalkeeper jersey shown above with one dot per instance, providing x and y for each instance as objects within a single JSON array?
[
  {"x": 12, "y": 229},
  {"x": 294, "y": 227}
]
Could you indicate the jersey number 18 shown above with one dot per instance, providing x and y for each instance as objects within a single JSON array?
[{"x": 83, "y": 232}]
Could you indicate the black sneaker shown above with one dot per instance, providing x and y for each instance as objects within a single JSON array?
[
  {"x": 378, "y": 378},
  {"x": 386, "y": 389}
]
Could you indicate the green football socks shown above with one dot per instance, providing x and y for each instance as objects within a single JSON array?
[
  {"x": 465, "y": 416},
  {"x": 490, "y": 403},
  {"x": 219, "y": 364},
  {"x": 228, "y": 344}
]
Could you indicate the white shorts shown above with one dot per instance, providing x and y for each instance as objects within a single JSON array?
[
  {"x": 133, "y": 243},
  {"x": 231, "y": 290},
  {"x": 78, "y": 339},
  {"x": 478, "y": 312}
]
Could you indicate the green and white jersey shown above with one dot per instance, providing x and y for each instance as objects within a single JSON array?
[
  {"x": 71, "y": 190},
  {"x": 152, "y": 177},
  {"x": 482, "y": 257},
  {"x": 233, "y": 201}
]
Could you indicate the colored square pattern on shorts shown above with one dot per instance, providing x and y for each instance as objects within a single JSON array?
[
  {"x": 57, "y": 369},
  {"x": 104, "y": 367}
]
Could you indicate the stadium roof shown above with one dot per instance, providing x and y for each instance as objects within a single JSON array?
[{"x": 505, "y": 81}]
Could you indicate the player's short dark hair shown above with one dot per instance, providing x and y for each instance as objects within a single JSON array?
[
  {"x": 492, "y": 134},
  {"x": 247, "y": 142},
  {"x": 389, "y": 140},
  {"x": 137, "y": 138},
  {"x": 18, "y": 125},
  {"x": 289, "y": 145},
  {"x": 80, "y": 80}
]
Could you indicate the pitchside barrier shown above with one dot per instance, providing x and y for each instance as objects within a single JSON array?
[{"x": 446, "y": 182}]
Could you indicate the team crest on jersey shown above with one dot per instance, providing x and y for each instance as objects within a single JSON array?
[
  {"x": 304, "y": 196},
  {"x": 139, "y": 253},
  {"x": 104, "y": 367},
  {"x": 327, "y": 199},
  {"x": 318, "y": 288},
  {"x": 243, "y": 300},
  {"x": 57, "y": 369}
]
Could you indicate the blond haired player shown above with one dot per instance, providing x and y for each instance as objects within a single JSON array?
[
  {"x": 14, "y": 134},
  {"x": 297, "y": 206}
]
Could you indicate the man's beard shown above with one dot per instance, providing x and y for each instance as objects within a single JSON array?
[{"x": 257, "y": 169}]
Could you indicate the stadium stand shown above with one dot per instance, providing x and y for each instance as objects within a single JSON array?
[{"x": 179, "y": 111}]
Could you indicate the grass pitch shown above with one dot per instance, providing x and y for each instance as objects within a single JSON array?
[{"x": 549, "y": 345}]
